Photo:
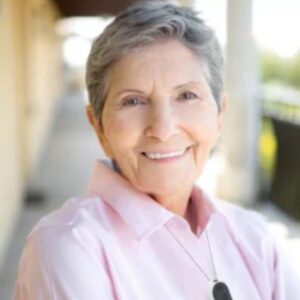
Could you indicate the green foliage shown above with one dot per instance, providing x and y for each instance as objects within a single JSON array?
[{"x": 283, "y": 70}]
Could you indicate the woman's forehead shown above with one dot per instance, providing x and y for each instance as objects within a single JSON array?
[{"x": 164, "y": 64}]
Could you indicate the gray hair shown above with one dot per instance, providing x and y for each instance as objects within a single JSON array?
[{"x": 144, "y": 23}]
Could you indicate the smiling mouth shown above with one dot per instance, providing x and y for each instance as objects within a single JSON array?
[{"x": 165, "y": 155}]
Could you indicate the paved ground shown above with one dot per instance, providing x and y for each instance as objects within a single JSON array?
[{"x": 69, "y": 155}]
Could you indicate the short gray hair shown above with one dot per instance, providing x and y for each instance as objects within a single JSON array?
[{"x": 141, "y": 24}]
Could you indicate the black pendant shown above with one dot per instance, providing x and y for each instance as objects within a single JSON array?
[{"x": 220, "y": 291}]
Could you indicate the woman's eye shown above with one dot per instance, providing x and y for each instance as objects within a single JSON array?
[
  {"x": 187, "y": 96},
  {"x": 132, "y": 101}
]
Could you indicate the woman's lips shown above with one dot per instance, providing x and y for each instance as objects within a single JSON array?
[{"x": 165, "y": 156}]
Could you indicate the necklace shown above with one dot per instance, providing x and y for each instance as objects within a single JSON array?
[{"x": 217, "y": 290}]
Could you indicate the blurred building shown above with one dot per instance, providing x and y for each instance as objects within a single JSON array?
[{"x": 30, "y": 83}]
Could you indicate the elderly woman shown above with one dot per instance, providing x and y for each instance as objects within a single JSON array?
[{"x": 144, "y": 230}]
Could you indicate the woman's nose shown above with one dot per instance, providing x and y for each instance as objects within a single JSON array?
[{"x": 162, "y": 124}]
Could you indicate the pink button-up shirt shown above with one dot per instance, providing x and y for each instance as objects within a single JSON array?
[{"x": 117, "y": 243}]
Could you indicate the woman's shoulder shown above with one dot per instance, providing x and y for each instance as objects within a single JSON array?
[
  {"x": 63, "y": 244},
  {"x": 244, "y": 221},
  {"x": 83, "y": 214},
  {"x": 238, "y": 212},
  {"x": 251, "y": 232}
]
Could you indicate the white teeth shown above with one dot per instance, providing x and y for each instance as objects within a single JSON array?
[{"x": 157, "y": 155}]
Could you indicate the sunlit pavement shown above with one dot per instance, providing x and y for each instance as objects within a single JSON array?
[{"x": 70, "y": 153}]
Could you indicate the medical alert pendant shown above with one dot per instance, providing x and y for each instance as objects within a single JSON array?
[{"x": 218, "y": 291}]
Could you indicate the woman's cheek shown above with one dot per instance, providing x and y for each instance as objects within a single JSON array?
[{"x": 122, "y": 132}]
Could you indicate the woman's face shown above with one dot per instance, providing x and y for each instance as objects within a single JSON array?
[{"x": 160, "y": 119}]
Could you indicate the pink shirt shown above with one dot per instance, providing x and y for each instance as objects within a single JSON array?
[{"x": 116, "y": 243}]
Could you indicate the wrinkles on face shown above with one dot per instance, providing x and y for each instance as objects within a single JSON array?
[{"x": 160, "y": 102}]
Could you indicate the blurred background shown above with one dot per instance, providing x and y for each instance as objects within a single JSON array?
[{"x": 47, "y": 148}]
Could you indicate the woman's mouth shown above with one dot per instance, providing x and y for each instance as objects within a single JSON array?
[{"x": 166, "y": 155}]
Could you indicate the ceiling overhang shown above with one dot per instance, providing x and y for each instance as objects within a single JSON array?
[{"x": 85, "y": 8}]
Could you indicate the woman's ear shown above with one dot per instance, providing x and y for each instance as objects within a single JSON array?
[
  {"x": 222, "y": 109},
  {"x": 90, "y": 115},
  {"x": 95, "y": 123}
]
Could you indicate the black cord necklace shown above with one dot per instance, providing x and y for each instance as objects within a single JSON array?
[{"x": 217, "y": 290}]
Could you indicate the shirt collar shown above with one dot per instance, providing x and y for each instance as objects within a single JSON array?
[{"x": 141, "y": 213}]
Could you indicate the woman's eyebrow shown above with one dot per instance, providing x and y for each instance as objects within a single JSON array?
[
  {"x": 130, "y": 91},
  {"x": 177, "y": 87}
]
